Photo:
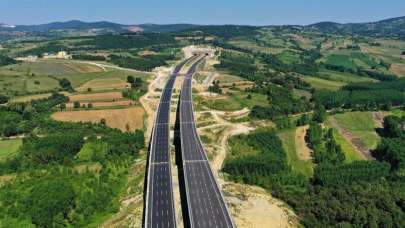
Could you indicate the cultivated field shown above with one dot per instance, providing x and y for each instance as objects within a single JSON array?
[
  {"x": 107, "y": 96},
  {"x": 361, "y": 125},
  {"x": 115, "y": 118},
  {"x": 103, "y": 84}
]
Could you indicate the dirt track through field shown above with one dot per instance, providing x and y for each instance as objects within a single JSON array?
[
  {"x": 303, "y": 151},
  {"x": 104, "y": 104}
]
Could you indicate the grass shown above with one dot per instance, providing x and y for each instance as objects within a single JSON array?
[
  {"x": 89, "y": 149},
  {"x": 289, "y": 57},
  {"x": 361, "y": 125},
  {"x": 398, "y": 112},
  {"x": 236, "y": 101},
  {"x": 227, "y": 78},
  {"x": 29, "y": 98},
  {"x": 9, "y": 148},
  {"x": 81, "y": 78},
  {"x": 255, "y": 47},
  {"x": 43, "y": 68},
  {"x": 288, "y": 139},
  {"x": 319, "y": 83},
  {"x": 41, "y": 83}
]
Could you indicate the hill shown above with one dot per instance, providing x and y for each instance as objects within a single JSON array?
[{"x": 393, "y": 27}]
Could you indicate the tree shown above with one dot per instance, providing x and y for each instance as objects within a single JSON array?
[
  {"x": 387, "y": 106},
  {"x": 10, "y": 130},
  {"x": 3, "y": 99},
  {"x": 50, "y": 201},
  {"x": 131, "y": 79},
  {"x": 63, "y": 106},
  {"x": 314, "y": 134},
  {"x": 65, "y": 84},
  {"x": 392, "y": 127},
  {"x": 137, "y": 83},
  {"x": 103, "y": 121},
  {"x": 391, "y": 151},
  {"x": 76, "y": 104},
  {"x": 319, "y": 113},
  {"x": 89, "y": 105},
  {"x": 403, "y": 53},
  {"x": 303, "y": 120},
  {"x": 249, "y": 97}
]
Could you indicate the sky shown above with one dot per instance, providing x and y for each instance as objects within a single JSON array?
[{"x": 247, "y": 12}]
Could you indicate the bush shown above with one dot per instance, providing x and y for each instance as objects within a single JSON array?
[
  {"x": 65, "y": 84},
  {"x": 76, "y": 104}
]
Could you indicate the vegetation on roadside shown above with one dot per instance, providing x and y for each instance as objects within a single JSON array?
[{"x": 50, "y": 189}]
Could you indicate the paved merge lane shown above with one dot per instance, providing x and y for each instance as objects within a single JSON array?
[
  {"x": 159, "y": 200},
  {"x": 206, "y": 205}
]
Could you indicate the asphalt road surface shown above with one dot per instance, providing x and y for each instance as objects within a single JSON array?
[
  {"x": 159, "y": 211},
  {"x": 206, "y": 205}
]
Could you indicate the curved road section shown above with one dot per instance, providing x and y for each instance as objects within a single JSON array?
[
  {"x": 205, "y": 202},
  {"x": 159, "y": 208}
]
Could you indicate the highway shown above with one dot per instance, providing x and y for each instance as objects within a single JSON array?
[
  {"x": 159, "y": 204},
  {"x": 205, "y": 202}
]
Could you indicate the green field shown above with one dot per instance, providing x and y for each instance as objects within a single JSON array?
[
  {"x": 288, "y": 139},
  {"x": 364, "y": 58},
  {"x": 319, "y": 83},
  {"x": 341, "y": 60},
  {"x": 361, "y": 125},
  {"x": 9, "y": 147},
  {"x": 289, "y": 57}
]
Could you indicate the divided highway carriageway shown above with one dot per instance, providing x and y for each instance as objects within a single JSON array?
[
  {"x": 205, "y": 202},
  {"x": 159, "y": 204}
]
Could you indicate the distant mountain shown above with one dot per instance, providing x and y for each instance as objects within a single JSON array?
[
  {"x": 2, "y": 25},
  {"x": 394, "y": 27},
  {"x": 80, "y": 28},
  {"x": 75, "y": 25},
  {"x": 166, "y": 28},
  {"x": 102, "y": 25}
]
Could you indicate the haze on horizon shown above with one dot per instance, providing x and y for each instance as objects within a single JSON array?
[{"x": 253, "y": 12}]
